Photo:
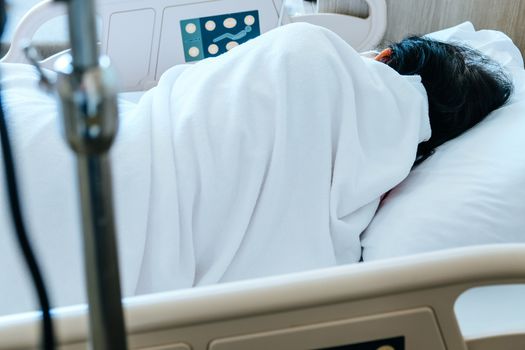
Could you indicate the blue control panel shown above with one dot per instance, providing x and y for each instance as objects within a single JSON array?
[{"x": 211, "y": 36}]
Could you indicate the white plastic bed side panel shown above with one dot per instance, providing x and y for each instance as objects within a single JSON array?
[
  {"x": 478, "y": 309},
  {"x": 50, "y": 9},
  {"x": 503, "y": 342},
  {"x": 353, "y": 30},
  {"x": 129, "y": 46},
  {"x": 171, "y": 53},
  {"x": 418, "y": 327},
  {"x": 198, "y": 316},
  {"x": 199, "y": 335},
  {"x": 361, "y": 34}
]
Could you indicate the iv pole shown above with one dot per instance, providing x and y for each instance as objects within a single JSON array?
[{"x": 89, "y": 108}]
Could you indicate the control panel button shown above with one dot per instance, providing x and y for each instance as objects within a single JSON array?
[
  {"x": 191, "y": 28},
  {"x": 210, "y": 25},
  {"x": 194, "y": 51},
  {"x": 231, "y": 45},
  {"x": 213, "y": 49},
  {"x": 230, "y": 23},
  {"x": 249, "y": 20}
]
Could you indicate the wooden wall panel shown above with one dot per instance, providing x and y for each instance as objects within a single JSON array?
[{"x": 423, "y": 16}]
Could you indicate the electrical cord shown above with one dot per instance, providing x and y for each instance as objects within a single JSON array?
[
  {"x": 48, "y": 340},
  {"x": 23, "y": 241}
]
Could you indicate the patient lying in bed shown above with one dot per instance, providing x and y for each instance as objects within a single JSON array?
[{"x": 267, "y": 160}]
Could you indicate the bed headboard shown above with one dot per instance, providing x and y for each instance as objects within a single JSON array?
[{"x": 424, "y": 16}]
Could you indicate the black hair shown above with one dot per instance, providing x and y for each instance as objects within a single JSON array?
[{"x": 463, "y": 85}]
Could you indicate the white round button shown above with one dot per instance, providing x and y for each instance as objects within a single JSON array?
[
  {"x": 230, "y": 22},
  {"x": 249, "y": 20},
  {"x": 191, "y": 28},
  {"x": 231, "y": 45},
  {"x": 210, "y": 25},
  {"x": 213, "y": 49},
  {"x": 194, "y": 51}
]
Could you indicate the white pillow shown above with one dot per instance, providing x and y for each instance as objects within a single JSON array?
[{"x": 472, "y": 190}]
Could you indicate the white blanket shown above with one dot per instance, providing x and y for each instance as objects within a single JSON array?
[{"x": 269, "y": 159}]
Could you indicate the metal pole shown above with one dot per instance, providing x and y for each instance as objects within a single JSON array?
[
  {"x": 83, "y": 33},
  {"x": 89, "y": 107},
  {"x": 105, "y": 310}
]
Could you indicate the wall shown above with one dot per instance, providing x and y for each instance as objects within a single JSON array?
[{"x": 423, "y": 16}]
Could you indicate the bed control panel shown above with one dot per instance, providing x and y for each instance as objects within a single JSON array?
[
  {"x": 214, "y": 35},
  {"x": 195, "y": 30},
  {"x": 414, "y": 329}
]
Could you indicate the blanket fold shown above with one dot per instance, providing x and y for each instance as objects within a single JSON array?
[{"x": 280, "y": 152}]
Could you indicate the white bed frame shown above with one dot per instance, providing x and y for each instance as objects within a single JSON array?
[
  {"x": 410, "y": 297},
  {"x": 149, "y": 29}
]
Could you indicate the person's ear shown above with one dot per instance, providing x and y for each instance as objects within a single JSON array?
[{"x": 385, "y": 55}]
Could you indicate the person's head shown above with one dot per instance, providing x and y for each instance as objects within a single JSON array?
[{"x": 463, "y": 86}]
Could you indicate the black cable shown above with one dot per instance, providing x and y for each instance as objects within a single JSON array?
[
  {"x": 12, "y": 188},
  {"x": 48, "y": 341}
]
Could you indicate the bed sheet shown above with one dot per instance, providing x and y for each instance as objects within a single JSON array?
[{"x": 132, "y": 96}]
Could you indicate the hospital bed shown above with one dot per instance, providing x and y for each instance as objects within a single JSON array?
[
  {"x": 405, "y": 303},
  {"x": 401, "y": 303}
]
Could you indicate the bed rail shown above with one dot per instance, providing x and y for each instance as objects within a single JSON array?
[
  {"x": 347, "y": 303},
  {"x": 154, "y": 27},
  {"x": 148, "y": 29},
  {"x": 364, "y": 33}
]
